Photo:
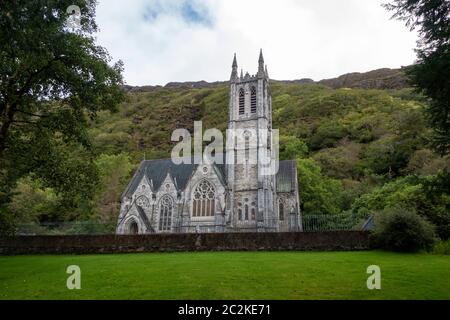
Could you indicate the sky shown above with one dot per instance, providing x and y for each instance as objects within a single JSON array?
[{"x": 162, "y": 41}]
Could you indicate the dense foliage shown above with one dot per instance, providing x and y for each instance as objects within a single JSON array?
[
  {"x": 52, "y": 81},
  {"x": 402, "y": 230},
  {"x": 430, "y": 74},
  {"x": 357, "y": 150}
]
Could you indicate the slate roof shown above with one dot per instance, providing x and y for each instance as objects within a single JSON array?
[
  {"x": 156, "y": 171},
  {"x": 286, "y": 176}
]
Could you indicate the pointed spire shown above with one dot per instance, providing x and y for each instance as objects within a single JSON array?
[
  {"x": 242, "y": 74},
  {"x": 261, "y": 64},
  {"x": 234, "y": 73},
  {"x": 267, "y": 72}
]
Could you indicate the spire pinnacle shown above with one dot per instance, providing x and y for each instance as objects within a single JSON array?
[
  {"x": 261, "y": 65},
  {"x": 234, "y": 72},
  {"x": 234, "y": 61}
]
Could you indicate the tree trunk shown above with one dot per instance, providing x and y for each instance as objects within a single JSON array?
[{"x": 6, "y": 120}]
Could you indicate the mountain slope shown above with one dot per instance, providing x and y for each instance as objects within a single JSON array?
[{"x": 384, "y": 78}]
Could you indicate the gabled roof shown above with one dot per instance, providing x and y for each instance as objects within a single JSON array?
[{"x": 156, "y": 171}]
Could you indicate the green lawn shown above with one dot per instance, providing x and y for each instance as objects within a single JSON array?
[{"x": 227, "y": 275}]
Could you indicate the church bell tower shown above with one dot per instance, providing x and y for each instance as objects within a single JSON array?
[{"x": 249, "y": 145}]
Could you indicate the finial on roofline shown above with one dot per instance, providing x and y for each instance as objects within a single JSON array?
[
  {"x": 261, "y": 72},
  {"x": 234, "y": 74}
]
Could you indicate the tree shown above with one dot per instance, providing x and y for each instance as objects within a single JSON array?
[
  {"x": 114, "y": 173},
  {"x": 292, "y": 147},
  {"x": 31, "y": 203},
  {"x": 319, "y": 193},
  {"x": 428, "y": 196},
  {"x": 52, "y": 79},
  {"x": 388, "y": 155},
  {"x": 431, "y": 74}
]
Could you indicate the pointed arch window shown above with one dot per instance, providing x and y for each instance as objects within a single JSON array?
[
  {"x": 253, "y": 100},
  {"x": 281, "y": 211},
  {"x": 165, "y": 213},
  {"x": 246, "y": 210},
  {"x": 241, "y": 101},
  {"x": 247, "y": 147},
  {"x": 204, "y": 200},
  {"x": 133, "y": 227}
]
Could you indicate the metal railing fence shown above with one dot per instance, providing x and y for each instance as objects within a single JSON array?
[{"x": 310, "y": 223}]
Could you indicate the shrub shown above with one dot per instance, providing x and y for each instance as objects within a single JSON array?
[
  {"x": 442, "y": 247},
  {"x": 428, "y": 196},
  {"x": 398, "y": 229}
]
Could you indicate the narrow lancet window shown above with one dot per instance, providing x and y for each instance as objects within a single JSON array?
[
  {"x": 253, "y": 100},
  {"x": 241, "y": 101},
  {"x": 281, "y": 211}
]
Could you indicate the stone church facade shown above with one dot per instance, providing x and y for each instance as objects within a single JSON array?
[{"x": 232, "y": 195}]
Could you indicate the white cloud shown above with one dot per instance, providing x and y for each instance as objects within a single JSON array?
[{"x": 300, "y": 38}]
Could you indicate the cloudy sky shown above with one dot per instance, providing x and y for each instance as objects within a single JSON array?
[{"x": 189, "y": 40}]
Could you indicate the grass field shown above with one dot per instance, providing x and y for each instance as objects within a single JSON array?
[{"x": 227, "y": 275}]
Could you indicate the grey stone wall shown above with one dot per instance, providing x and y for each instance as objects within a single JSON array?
[{"x": 270, "y": 241}]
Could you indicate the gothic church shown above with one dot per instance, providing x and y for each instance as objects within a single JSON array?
[{"x": 231, "y": 196}]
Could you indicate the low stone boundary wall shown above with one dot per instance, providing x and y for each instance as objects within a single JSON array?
[
  {"x": 80, "y": 244},
  {"x": 339, "y": 240}
]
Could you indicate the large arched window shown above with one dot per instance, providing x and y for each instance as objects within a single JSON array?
[
  {"x": 253, "y": 100},
  {"x": 241, "y": 101},
  {"x": 204, "y": 200},
  {"x": 165, "y": 213}
]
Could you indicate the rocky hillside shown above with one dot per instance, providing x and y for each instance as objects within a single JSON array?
[
  {"x": 376, "y": 79},
  {"x": 384, "y": 78}
]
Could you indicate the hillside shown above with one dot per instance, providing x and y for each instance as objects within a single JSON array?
[
  {"x": 357, "y": 150},
  {"x": 384, "y": 78},
  {"x": 376, "y": 79}
]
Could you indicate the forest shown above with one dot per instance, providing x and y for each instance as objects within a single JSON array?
[{"x": 357, "y": 150}]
